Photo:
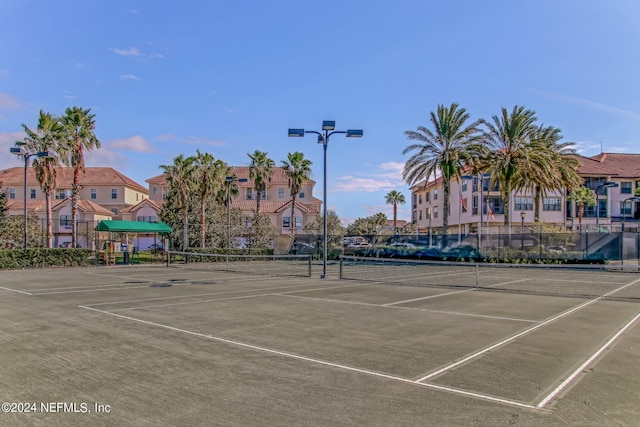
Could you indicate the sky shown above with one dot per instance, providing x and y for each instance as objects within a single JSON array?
[{"x": 230, "y": 77}]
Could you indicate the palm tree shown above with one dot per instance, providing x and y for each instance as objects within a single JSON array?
[
  {"x": 445, "y": 147},
  {"x": 507, "y": 140},
  {"x": 551, "y": 166},
  {"x": 78, "y": 127},
  {"x": 298, "y": 170},
  {"x": 180, "y": 176},
  {"x": 260, "y": 170},
  {"x": 582, "y": 196},
  {"x": 46, "y": 137},
  {"x": 395, "y": 198},
  {"x": 209, "y": 175}
]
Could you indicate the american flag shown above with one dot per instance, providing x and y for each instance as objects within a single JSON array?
[
  {"x": 490, "y": 211},
  {"x": 463, "y": 202}
]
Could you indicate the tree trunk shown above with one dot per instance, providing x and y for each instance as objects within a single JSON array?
[
  {"x": 292, "y": 221},
  {"x": 395, "y": 218},
  {"x": 47, "y": 198},
  {"x": 506, "y": 200},
  {"x": 75, "y": 189},
  {"x": 202, "y": 224},
  {"x": 185, "y": 230},
  {"x": 445, "y": 210},
  {"x": 580, "y": 213},
  {"x": 258, "y": 198},
  {"x": 536, "y": 204}
]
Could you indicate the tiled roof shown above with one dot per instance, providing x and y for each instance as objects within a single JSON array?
[
  {"x": 277, "y": 177},
  {"x": 593, "y": 167},
  {"x": 269, "y": 206},
  {"x": 35, "y": 205},
  {"x": 624, "y": 165},
  {"x": 93, "y": 176},
  {"x": 154, "y": 205},
  {"x": 86, "y": 206}
]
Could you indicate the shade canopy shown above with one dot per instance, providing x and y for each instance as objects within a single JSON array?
[{"x": 133, "y": 226}]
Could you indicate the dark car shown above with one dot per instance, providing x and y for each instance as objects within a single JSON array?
[{"x": 156, "y": 247}]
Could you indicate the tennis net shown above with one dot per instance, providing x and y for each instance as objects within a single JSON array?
[
  {"x": 263, "y": 265},
  {"x": 616, "y": 282}
]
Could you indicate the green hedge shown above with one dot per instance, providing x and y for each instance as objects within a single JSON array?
[{"x": 42, "y": 257}]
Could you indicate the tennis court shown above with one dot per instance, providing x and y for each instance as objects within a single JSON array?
[{"x": 260, "y": 343}]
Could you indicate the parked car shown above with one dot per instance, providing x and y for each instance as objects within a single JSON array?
[
  {"x": 67, "y": 245},
  {"x": 358, "y": 245},
  {"x": 156, "y": 247}
]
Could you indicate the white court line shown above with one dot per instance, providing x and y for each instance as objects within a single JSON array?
[
  {"x": 269, "y": 294},
  {"x": 571, "y": 377},
  {"x": 15, "y": 290},
  {"x": 199, "y": 295},
  {"x": 525, "y": 332},
  {"x": 318, "y": 361},
  {"x": 453, "y": 313}
]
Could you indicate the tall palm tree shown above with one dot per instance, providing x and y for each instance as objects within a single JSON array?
[
  {"x": 445, "y": 147},
  {"x": 260, "y": 170},
  {"x": 46, "y": 137},
  {"x": 582, "y": 196},
  {"x": 298, "y": 170},
  {"x": 209, "y": 175},
  {"x": 79, "y": 125},
  {"x": 395, "y": 198},
  {"x": 180, "y": 177},
  {"x": 507, "y": 138},
  {"x": 551, "y": 166}
]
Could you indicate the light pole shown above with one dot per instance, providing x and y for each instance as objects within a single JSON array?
[
  {"x": 607, "y": 184},
  {"x": 19, "y": 150},
  {"x": 230, "y": 180},
  {"x": 523, "y": 214},
  {"x": 328, "y": 126}
]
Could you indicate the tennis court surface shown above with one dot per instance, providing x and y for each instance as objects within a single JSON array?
[{"x": 374, "y": 344}]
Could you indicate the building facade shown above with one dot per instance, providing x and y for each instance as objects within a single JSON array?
[{"x": 473, "y": 200}]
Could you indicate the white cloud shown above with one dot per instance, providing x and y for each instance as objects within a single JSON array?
[
  {"x": 387, "y": 176},
  {"x": 199, "y": 140},
  {"x": 129, "y": 77},
  {"x": 591, "y": 104},
  {"x": 7, "y": 102},
  {"x": 105, "y": 157},
  {"x": 6, "y": 141},
  {"x": 136, "y": 143},
  {"x": 166, "y": 137},
  {"x": 135, "y": 53}
]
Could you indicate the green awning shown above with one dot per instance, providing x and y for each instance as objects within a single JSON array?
[{"x": 133, "y": 226}]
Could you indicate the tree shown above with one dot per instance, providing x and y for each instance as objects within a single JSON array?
[
  {"x": 445, "y": 147},
  {"x": 551, "y": 166},
  {"x": 208, "y": 176},
  {"x": 47, "y": 137},
  {"x": 368, "y": 226},
  {"x": 78, "y": 136},
  {"x": 180, "y": 179},
  {"x": 298, "y": 170},
  {"x": 334, "y": 225},
  {"x": 507, "y": 139},
  {"x": 260, "y": 170},
  {"x": 582, "y": 196},
  {"x": 3, "y": 202},
  {"x": 395, "y": 198}
]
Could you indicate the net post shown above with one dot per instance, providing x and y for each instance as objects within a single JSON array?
[
  {"x": 309, "y": 260},
  {"x": 340, "y": 275},
  {"x": 477, "y": 276}
]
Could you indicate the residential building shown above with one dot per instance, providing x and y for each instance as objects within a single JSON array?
[
  {"x": 275, "y": 200},
  {"x": 470, "y": 200}
]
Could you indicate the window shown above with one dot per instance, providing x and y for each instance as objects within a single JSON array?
[
  {"x": 524, "y": 204},
  {"x": 302, "y": 194},
  {"x": 298, "y": 222},
  {"x": 464, "y": 185},
  {"x": 474, "y": 206},
  {"x": 427, "y": 213},
  {"x": 286, "y": 222},
  {"x": 625, "y": 208},
  {"x": 12, "y": 193},
  {"x": 33, "y": 193},
  {"x": 602, "y": 208},
  {"x": 137, "y": 196},
  {"x": 280, "y": 193},
  {"x": 249, "y": 194},
  {"x": 264, "y": 195},
  {"x": 496, "y": 205},
  {"x": 420, "y": 199},
  {"x": 114, "y": 193},
  {"x": 114, "y": 211},
  {"x": 551, "y": 204},
  {"x": 625, "y": 187},
  {"x": 427, "y": 196},
  {"x": 65, "y": 221},
  {"x": 435, "y": 194},
  {"x": 435, "y": 212},
  {"x": 475, "y": 186},
  {"x": 419, "y": 215},
  {"x": 155, "y": 190},
  {"x": 146, "y": 219},
  {"x": 589, "y": 211},
  {"x": 94, "y": 194}
]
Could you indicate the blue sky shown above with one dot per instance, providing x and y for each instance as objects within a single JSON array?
[{"x": 230, "y": 77}]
